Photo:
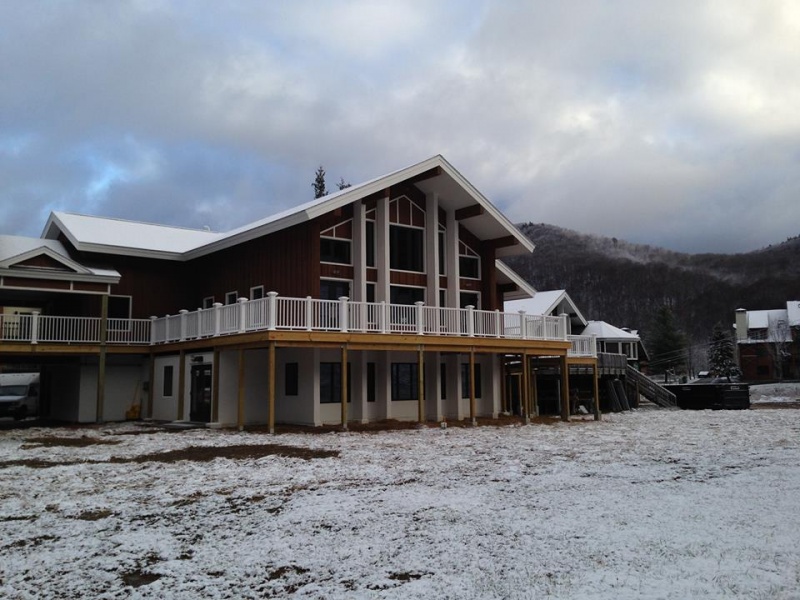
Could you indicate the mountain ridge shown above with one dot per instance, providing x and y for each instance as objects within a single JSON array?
[{"x": 625, "y": 283}]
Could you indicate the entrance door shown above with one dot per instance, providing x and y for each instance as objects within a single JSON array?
[{"x": 200, "y": 401}]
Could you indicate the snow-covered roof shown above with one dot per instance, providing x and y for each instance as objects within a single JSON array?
[
  {"x": 103, "y": 234},
  {"x": 15, "y": 250},
  {"x": 550, "y": 302},
  {"x": 793, "y": 311},
  {"x": 606, "y": 331},
  {"x": 760, "y": 319},
  {"x": 434, "y": 175}
]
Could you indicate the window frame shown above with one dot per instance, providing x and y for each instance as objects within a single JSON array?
[
  {"x": 394, "y": 256},
  {"x": 399, "y": 391}
]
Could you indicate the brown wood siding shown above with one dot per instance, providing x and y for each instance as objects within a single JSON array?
[
  {"x": 44, "y": 284},
  {"x": 42, "y": 261},
  {"x": 489, "y": 278},
  {"x": 372, "y": 275},
  {"x": 336, "y": 271},
  {"x": 89, "y": 287},
  {"x": 285, "y": 261},
  {"x": 472, "y": 285},
  {"x": 403, "y": 278},
  {"x": 442, "y": 281}
]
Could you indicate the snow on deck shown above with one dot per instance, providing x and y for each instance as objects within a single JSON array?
[{"x": 650, "y": 504}]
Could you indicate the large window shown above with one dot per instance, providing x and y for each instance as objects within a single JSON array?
[
  {"x": 406, "y": 249},
  {"x": 119, "y": 307},
  {"x": 405, "y": 381},
  {"x": 399, "y": 294},
  {"x": 330, "y": 383},
  {"x": 465, "y": 380},
  {"x": 370, "y": 241},
  {"x": 334, "y": 251}
]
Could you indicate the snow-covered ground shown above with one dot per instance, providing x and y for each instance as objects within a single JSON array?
[
  {"x": 775, "y": 392},
  {"x": 648, "y": 504}
]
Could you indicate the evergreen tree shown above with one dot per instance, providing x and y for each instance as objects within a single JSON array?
[
  {"x": 720, "y": 353},
  {"x": 343, "y": 184},
  {"x": 667, "y": 342},
  {"x": 319, "y": 183}
]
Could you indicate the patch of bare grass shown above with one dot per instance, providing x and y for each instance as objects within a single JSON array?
[{"x": 66, "y": 442}]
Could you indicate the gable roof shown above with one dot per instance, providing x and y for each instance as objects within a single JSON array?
[
  {"x": 606, "y": 331},
  {"x": 434, "y": 175},
  {"x": 15, "y": 251},
  {"x": 551, "y": 302},
  {"x": 506, "y": 274}
]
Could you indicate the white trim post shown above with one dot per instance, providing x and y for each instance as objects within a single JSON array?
[
  {"x": 470, "y": 320},
  {"x": 523, "y": 325},
  {"x": 35, "y": 327},
  {"x": 217, "y": 317},
  {"x": 309, "y": 313},
  {"x": 183, "y": 312},
  {"x": 420, "y": 317},
  {"x": 242, "y": 314},
  {"x": 565, "y": 328},
  {"x": 497, "y": 323},
  {"x": 384, "y": 316},
  {"x": 272, "y": 310},
  {"x": 343, "y": 315},
  {"x": 153, "y": 320}
]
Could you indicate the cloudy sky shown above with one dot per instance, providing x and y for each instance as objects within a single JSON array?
[{"x": 673, "y": 123}]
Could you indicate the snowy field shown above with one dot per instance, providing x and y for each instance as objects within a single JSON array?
[{"x": 650, "y": 504}]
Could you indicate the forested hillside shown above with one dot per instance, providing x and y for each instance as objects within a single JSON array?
[{"x": 625, "y": 284}]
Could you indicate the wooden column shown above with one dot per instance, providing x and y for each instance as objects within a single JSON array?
[
  {"x": 181, "y": 383},
  {"x": 525, "y": 389},
  {"x": 215, "y": 369},
  {"x": 504, "y": 404},
  {"x": 344, "y": 388},
  {"x": 240, "y": 393},
  {"x": 421, "y": 385},
  {"x": 151, "y": 387},
  {"x": 596, "y": 378},
  {"x": 101, "y": 366},
  {"x": 535, "y": 395},
  {"x": 271, "y": 418},
  {"x": 564, "y": 387},
  {"x": 472, "y": 406}
]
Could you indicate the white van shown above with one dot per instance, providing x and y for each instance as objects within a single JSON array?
[{"x": 19, "y": 395}]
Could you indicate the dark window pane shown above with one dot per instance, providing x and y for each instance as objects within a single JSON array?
[
  {"x": 371, "y": 387},
  {"x": 370, "y": 241},
  {"x": 469, "y": 266},
  {"x": 168, "y": 374},
  {"x": 406, "y": 249},
  {"x": 465, "y": 380},
  {"x": 404, "y": 381},
  {"x": 334, "y": 251},
  {"x": 292, "y": 379}
]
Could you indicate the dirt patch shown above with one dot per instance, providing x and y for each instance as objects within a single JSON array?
[
  {"x": 66, "y": 442},
  {"x": 139, "y": 578},
  {"x": 94, "y": 515},
  {"x": 192, "y": 453},
  {"x": 238, "y": 452}
]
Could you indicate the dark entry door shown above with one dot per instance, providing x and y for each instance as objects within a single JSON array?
[{"x": 200, "y": 408}]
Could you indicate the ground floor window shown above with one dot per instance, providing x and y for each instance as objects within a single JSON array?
[
  {"x": 330, "y": 383},
  {"x": 291, "y": 378},
  {"x": 371, "y": 387},
  {"x": 465, "y": 381},
  {"x": 405, "y": 380},
  {"x": 168, "y": 374}
]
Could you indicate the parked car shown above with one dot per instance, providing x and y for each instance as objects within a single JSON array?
[{"x": 19, "y": 395}]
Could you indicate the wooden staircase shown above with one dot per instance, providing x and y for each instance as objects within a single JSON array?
[{"x": 650, "y": 389}]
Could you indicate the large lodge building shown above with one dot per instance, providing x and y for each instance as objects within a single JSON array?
[{"x": 380, "y": 301}]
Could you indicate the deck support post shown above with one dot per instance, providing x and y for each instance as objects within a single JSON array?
[
  {"x": 421, "y": 385},
  {"x": 596, "y": 391},
  {"x": 472, "y": 407},
  {"x": 101, "y": 367},
  {"x": 150, "y": 388},
  {"x": 526, "y": 388},
  {"x": 564, "y": 367},
  {"x": 271, "y": 417},
  {"x": 215, "y": 369},
  {"x": 181, "y": 384},
  {"x": 343, "y": 394},
  {"x": 240, "y": 393},
  {"x": 534, "y": 392}
]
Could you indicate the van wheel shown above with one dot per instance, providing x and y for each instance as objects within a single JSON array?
[{"x": 21, "y": 413}]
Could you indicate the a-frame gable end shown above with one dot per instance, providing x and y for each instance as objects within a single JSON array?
[{"x": 43, "y": 259}]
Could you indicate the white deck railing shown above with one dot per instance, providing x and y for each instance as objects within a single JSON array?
[{"x": 297, "y": 314}]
